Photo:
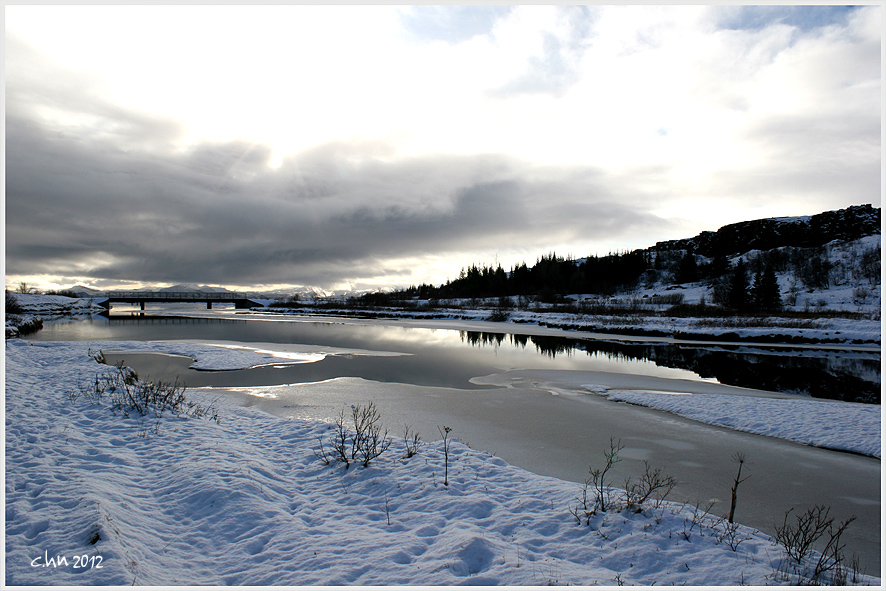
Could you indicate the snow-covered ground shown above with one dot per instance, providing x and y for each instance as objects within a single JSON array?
[
  {"x": 55, "y": 305},
  {"x": 845, "y": 426},
  {"x": 94, "y": 498}
]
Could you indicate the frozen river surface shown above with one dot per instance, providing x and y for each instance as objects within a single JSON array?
[{"x": 531, "y": 405}]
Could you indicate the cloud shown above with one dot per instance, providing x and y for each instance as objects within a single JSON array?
[
  {"x": 562, "y": 48},
  {"x": 805, "y": 18},
  {"x": 217, "y": 213},
  {"x": 452, "y": 24},
  {"x": 500, "y": 133}
]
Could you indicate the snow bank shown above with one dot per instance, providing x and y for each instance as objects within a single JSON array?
[
  {"x": 845, "y": 426},
  {"x": 17, "y": 325},
  {"x": 54, "y": 305},
  {"x": 98, "y": 499}
]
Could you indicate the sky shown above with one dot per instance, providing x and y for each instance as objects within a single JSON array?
[{"x": 353, "y": 147}]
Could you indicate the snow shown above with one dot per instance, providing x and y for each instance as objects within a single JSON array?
[
  {"x": 772, "y": 331},
  {"x": 246, "y": 501},
  {"x": 845, "y": 426},
  {"x": 54, "y": 304}
]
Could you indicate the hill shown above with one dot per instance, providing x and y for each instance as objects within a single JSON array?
[{"x": 832, "y": 257}]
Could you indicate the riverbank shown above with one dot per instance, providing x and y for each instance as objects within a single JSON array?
[
  {"x": 647, "y": 322},
  {"x": 34, "y": 309},
  {"x": 247, "y": 501},
  {"x": 846, "y": 329}
]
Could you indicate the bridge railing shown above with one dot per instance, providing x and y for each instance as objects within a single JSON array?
[{"x": 176, "y": 295}]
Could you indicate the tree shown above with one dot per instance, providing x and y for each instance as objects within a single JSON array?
[
  {"x": 718, "y": 267},
  {"x": 738, "y": 287},
  {"x": 766, "y": 292},
  {"x": 687, "y": 271}
]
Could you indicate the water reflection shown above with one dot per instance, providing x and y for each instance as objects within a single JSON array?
[
  {"x": 443, "y": 357},
  {"x": 850, "y": 376}
]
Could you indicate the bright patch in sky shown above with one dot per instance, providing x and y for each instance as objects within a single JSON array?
[{"x": 342, "y": 146}]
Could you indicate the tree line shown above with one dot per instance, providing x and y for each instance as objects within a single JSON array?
[
  {"x": 547, "y": 280},
  {"x": 748, "y": 284}
]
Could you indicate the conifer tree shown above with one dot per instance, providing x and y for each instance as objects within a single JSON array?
[
  {"x": 687, "y": 272},
  {"x": 766, "y": 293},
  {"x": 738, "y": 287}
]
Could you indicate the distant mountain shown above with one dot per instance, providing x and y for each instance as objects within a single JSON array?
[
  {"x": 82, "y": 291},
  {"x": 88, "y": 292},
  {"x": 304, "y": 293},
  {"x": 852, "y": 223},
  {"x": 190, "y": 287}
]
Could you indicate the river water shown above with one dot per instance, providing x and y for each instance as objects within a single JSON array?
[{"x": 530, "y": 406}]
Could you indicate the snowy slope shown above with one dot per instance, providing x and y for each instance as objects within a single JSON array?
[
  {"x": 247, "y": 502},
  {"x": 48, "y": 305}
]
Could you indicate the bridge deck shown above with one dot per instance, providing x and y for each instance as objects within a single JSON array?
[{"x": 240, "y": 300}]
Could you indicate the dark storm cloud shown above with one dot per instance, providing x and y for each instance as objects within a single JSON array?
[{"x": 216, "y": 213}]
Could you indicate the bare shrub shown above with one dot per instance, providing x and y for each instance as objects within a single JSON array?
[
  {"x": 445, "y": 433},
  {"x": 653, "y": 484},
  {"x": 810, "y": 526},
  {"x": 338, "y": 444},
  {"x": 732, "y": 534},
  {"x": 369, "y": 440},
  {"x": 598, "y": 476},
  {"x": 832, "y": 558},
  {"x": 127, "y": 395},
  {"x": 412, "y": 442},
  {"x": 700, "y": 518},
  {"x": 860, "y": 295},
  {"x": 363, "y": 440},
  {"x": 799, "y": 538},
  {"x": 603, "y": 494}
]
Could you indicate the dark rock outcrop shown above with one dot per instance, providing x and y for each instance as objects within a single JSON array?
[{"x": 851, "y": 223}]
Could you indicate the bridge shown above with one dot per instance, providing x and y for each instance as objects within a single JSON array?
[{"x": 240, "y": 300}]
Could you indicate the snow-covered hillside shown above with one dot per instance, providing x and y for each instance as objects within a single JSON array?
[{"x": 849, "y": 281}]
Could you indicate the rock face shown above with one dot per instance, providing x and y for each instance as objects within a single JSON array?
[{"x": 851, "y": 223}]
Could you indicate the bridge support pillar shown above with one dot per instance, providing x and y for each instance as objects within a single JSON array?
[
  {"x": 209, "y": 305},
  {"x": 142, "y": 304}
]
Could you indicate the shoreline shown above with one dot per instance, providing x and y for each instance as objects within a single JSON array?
[{"x": 531, "y": 327}]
